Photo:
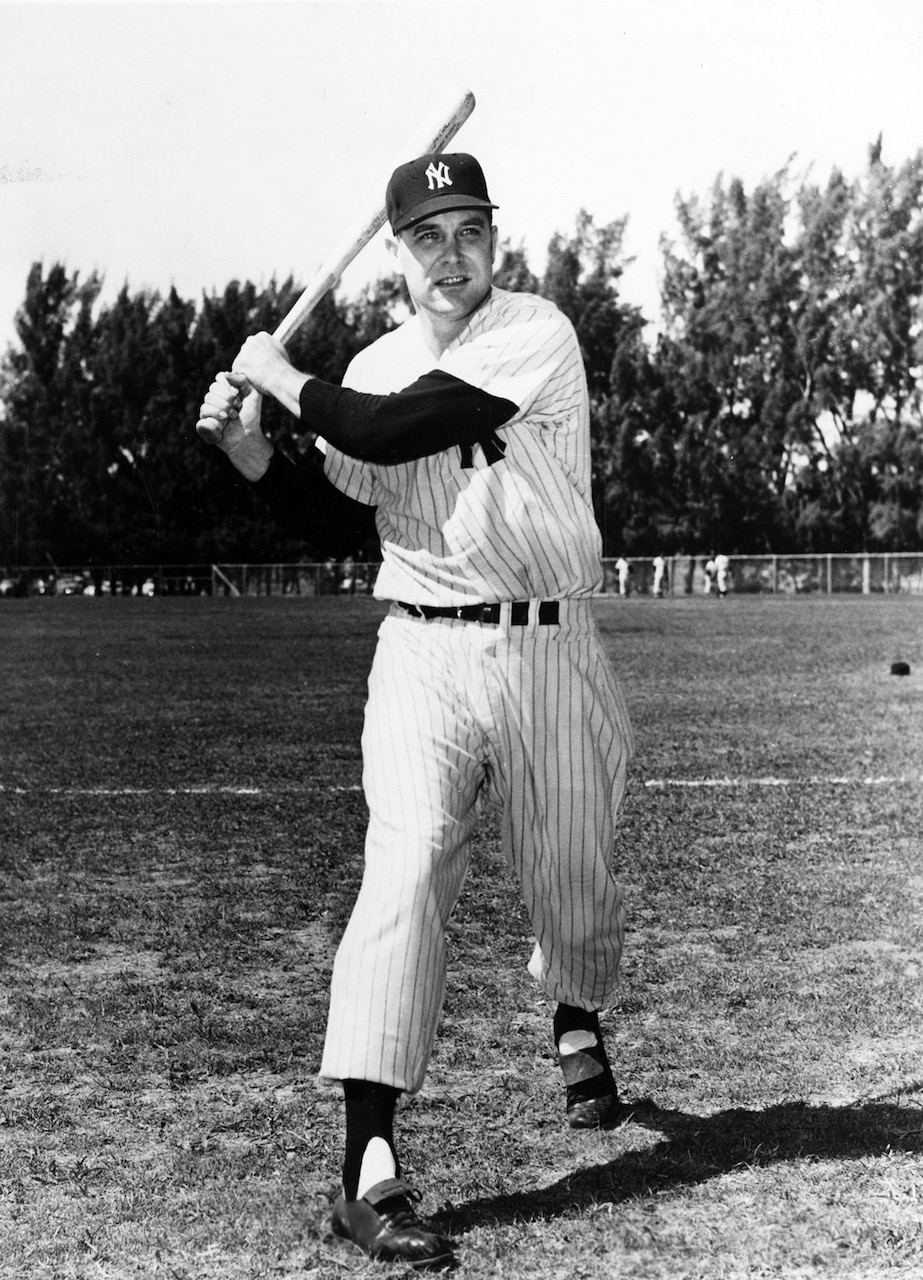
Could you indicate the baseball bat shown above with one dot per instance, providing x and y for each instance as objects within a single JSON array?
[{"x": 445, "y": 122}]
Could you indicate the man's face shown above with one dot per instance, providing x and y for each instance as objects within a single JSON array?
[{"x": 447, "y": 262}]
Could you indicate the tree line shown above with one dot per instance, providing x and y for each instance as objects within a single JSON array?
[{"x": 774, "y": 408}]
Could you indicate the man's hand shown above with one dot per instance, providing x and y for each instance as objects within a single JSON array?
[
  {"x": 264, "y": 362},
  {"x": 229, "y": 417}
]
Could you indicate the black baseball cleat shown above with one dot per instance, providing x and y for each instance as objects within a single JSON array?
[
  {"x": 384, "y": 1224},
  {"x": 592, "y": 1098}
]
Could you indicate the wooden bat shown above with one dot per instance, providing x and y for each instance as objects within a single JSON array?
[{"x": 445, "y": 122}]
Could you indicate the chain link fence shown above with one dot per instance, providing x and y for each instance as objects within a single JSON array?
[
  {"x": 886, "y": 573},
  {"x": 889, "y": 573},
  {"x": 328, "y": 578}
]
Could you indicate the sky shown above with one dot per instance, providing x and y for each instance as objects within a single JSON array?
[{"x": 194, "y": 142}]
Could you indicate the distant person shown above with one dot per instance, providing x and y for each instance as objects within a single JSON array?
[
  {"x": 659, "y": 569},
  {"x": 722, "y": 565},
  {"x": 710, "y": 571},
  {"x": 348, "y": 583},
  {"x": 623, "y": 569}
]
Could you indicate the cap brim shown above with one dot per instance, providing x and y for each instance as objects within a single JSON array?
[{"x": 439, "y": 204}]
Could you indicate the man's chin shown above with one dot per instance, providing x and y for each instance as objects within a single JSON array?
[{"x": 458, "y": 303}]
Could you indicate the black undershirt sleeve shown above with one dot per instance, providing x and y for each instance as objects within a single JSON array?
[
  {"x": 309, "y": 507},
  {"x": 433, "y": 414}
]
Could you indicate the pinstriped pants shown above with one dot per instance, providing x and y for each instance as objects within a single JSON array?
[{"x": 530, "y": 718}]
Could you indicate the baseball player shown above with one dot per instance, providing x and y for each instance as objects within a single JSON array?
[
  {"x": 722, "y": 567},
  {"x": 465, "y": 432}
]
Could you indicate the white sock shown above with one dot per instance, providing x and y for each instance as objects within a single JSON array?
[
  {"x": 574, "y": 1041},
  {"x": 378, "y": 1164}
]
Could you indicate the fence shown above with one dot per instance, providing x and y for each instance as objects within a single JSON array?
[
  {"x": 874, "y": 574},
  {"x": 894, "y": 572},
  {"x": 329, "y": 578}
]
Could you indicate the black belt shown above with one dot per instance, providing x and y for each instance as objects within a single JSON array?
[{"x": 548, "y": 611}]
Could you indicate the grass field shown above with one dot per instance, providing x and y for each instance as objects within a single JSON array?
[{"x": 181, "y": 833}]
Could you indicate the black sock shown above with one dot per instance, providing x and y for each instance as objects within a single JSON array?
[
  {"x": 568, "y": 1017},
  {"x": 586, "y": 1074},
  {"x": 369, "y": 1114}
]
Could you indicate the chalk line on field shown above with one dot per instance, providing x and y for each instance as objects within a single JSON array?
[
  {"x": 654, "y": 784},
  {"x": 817, "y": 780},
  {"x": 204, "y": 790}
]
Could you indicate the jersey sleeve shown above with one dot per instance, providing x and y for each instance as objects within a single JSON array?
[{"x": 528, "y": 362}]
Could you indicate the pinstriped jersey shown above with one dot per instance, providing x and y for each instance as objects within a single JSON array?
[{"x": 460, "y": 526}]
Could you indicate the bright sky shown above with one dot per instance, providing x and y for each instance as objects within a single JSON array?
[{"x": 192, "y": 143}]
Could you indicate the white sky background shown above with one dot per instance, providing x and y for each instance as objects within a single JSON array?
[{"x": 192, "y": 143}]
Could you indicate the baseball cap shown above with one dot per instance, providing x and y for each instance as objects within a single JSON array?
[{"x": 432, "y": 184}]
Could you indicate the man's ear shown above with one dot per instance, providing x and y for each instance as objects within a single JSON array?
[{"x": 391, "y": 245}]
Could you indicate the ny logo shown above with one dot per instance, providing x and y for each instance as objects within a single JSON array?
[
  {"x": 493, "y": 449},
  {"x": 437, "y": 175}
]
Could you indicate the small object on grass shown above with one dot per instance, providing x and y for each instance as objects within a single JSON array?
[{"x": 900, "y": 668}]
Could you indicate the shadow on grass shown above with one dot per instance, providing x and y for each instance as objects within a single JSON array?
[{"x": 697, "y": 1148}]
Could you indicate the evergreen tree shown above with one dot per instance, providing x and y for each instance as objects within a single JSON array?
[
  {"x": 512, "y": 270},
  {"x": 44, "y": 386},
  {"x": 778, "y": 409}
]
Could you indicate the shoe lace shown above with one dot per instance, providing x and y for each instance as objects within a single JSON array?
[{"x": 403, "y": 1212}]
